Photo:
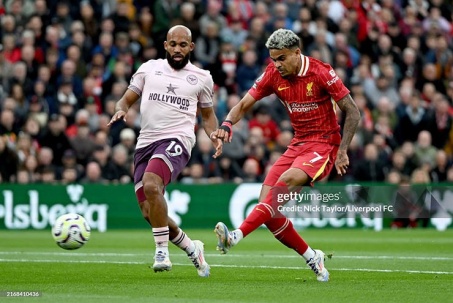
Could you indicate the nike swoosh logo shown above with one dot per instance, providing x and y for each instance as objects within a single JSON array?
[
  {"x": 307, "y": 164},
  {"x": 282, "y": 88}
]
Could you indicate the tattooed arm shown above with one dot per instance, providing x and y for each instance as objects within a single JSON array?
[{"x": 352, "y": 113}]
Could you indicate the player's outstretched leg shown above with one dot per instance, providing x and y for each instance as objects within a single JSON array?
[
  {"x": 161, "y": 262},
  {"x": 226, "y": 239},
  {"x": 316, "y": 264},
  {"x": 197, "y": 258}
]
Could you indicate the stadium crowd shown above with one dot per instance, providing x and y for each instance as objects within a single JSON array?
[{"x": 64, "y": 64}]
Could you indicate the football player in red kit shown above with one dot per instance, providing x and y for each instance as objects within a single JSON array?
[{"x": 310, "y": 90}]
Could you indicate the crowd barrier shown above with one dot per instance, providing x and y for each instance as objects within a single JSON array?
[{"x": 370, "y": 206}]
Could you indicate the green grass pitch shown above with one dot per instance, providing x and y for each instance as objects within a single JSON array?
[{"x": 389, "y": 266}]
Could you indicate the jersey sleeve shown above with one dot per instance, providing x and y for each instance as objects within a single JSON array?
[
  {"x": 207, "y": 92},
  {"x": 138, "y": 81},
  {"x": 262, "y": 86},
  {"x": 332, "y": 83}
]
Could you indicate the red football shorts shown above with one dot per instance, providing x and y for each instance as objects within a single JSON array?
[{"x": 314, "y": 158}]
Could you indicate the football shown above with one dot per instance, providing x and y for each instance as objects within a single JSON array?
[{"x": 71, "y": 231}]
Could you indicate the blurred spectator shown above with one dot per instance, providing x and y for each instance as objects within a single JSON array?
[
  {"x": 8, "y": 126},
  {"x": 37, "y": 118},
  {"x": 413, "y": 121},
  {"x": 69, "y": 175},
  {"x": 90, "y": 23},
  {"x": 195, "y": 175},
  {"x": 255, "y": 147},
  {"x": 5, "y": 73},
  {"x": 400, "y": 164},
  {"x": 235, "y": 33},
  {"x": 93, "y": 174},
  {"x": 57, "y": 58},
  {"x": 411, "y": 65},
  {"x": 381, "y": 87},
  {"x": 441, "y": 167},
  {"x": 121, "y": 164},
  {"x": 120, "y": 16},
  {"x": 247, "y": 72},
  {"x": 394, "y": 177},
  {"x": 188, "y": 19},
  {"x": 82, "y": 143},
  {"x": 384, "y": 107},
  {"x": 48, "y": 175},
  {"x": 208, "y": 45},
  {"x": 30, "y": 165},
  {"x": 404, "y": 203},
  {"x": 127, "y": 139},
  {"x": 320, "y": 45},
  {"x": 431, "y": 75},
  {"x": 69, "y": 160},
  {"x": 263, "y": 120},
  {"x": 424, "y": 152},
  {"x": 163, "y": 11},
  {"x": 440, "y": 121},
  {"x": 212, "y": 14},
  {"x": 230, "y": 171},
  {"x": 370, "y": 168},
  {"x": 23, "y": 177},
  {"x": 55, "y": 138},
  {"x": 303, "y": 27},
  {"x": 202, "y": 154},
  {"x": 45, "y": 159},
  {"x": 24, "y": 147},
  {"x": 436, "y": 20},
  {"x": 9, "y": 162},
  {"x": 252, "y": 171},
  {"x": 223, "y": 70},
  {"x": 279, "y": 14}
]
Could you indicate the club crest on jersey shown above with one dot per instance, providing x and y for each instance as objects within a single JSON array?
[
  {"x": 309, "y": 89},
  {"x": 192, "y": 79}
]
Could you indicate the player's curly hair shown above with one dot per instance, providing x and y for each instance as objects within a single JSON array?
[{"x": 283, "y": 38}]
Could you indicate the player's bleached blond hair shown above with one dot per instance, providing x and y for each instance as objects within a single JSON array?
[{"x": 283, "y": 38}]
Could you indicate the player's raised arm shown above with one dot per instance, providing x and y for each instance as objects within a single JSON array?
[
  {"x": 352, "y": 113},
  {"x": 225, "y": 131},
  {"x": 123, "y": 104}
]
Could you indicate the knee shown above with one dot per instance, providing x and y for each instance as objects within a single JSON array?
[
  {"x": 151, "y": 190},
  {"x": 293, "y": 178}
]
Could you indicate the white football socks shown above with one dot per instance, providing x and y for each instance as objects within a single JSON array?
[{"x": 161, "y": 235}]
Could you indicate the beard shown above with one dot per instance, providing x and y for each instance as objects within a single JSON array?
[{"x": 177, "y": 64}]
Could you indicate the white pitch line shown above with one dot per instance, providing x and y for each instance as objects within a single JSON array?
[
  {"x": 236, "y": 255},
  {"x": 230, "y": 266}
]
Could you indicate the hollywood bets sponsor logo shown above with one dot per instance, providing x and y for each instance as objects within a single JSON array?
[
  {"x": 20, "y": 215},
  {"x": 183, "y": 103}
]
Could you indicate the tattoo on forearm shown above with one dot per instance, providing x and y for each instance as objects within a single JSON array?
[{"x": 349, "y": 108}]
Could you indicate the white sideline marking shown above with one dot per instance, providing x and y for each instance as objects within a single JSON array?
[
  {"x": 236, "y": 255},
  {"x": 229, "y": 266}
]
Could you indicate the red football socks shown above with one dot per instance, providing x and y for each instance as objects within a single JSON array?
[{"x": 283, "y": 230}]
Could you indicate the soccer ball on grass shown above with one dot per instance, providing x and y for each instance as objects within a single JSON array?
[{"x": 71, "y": 231}]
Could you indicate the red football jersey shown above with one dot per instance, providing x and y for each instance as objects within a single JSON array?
[{"x": 310, "y": 99}]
